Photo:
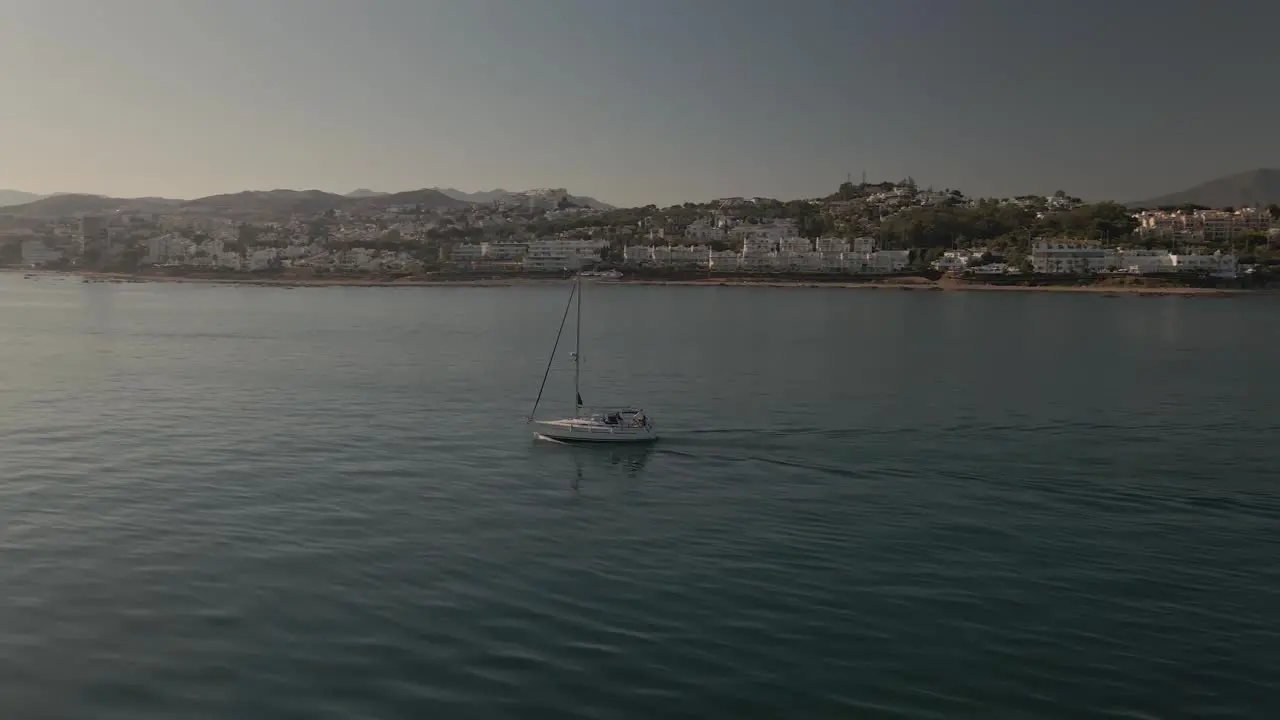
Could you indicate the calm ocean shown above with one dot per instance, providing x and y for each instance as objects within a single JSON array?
[{"x": 239, "y": 502}]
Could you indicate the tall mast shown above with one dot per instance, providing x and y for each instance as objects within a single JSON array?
[
  {"x": 577, "y": 351},
  {"x": 547, "y": 373}
]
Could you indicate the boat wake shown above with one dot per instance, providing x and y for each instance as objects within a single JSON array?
[{"x": 719, "y": 431}]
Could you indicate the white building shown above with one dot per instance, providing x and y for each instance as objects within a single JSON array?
[
  {"x": 1217, "y": 264},
  {"x": 799, "y": 259},
  {"x": 1074, "y": 258},
  {"x": 758, "y": 260},
  {"x": 763, "y": 238},
  {"x": 863, "y": 245},
  {"x": 724, "y": 260},
  {"x": 1202, "y": 225},
  {"x": 562, "y": 253},
  {"x": 682, "y": 255},
  {"x": 1068, "y": 258},
  {"x": 832, "y": 245},
  {"x": 467, "y": 252},
  {"x": 166, "y": 248},
  {"x": 1141, "y": 262},
  {"x": 488, "y": 252},
  {"x": 954, "y": 260},
  {"x": 262, "y": 258},
  {"x": 504, "y": 251},
  {"x": 795, "y": 245},
  {"x": 931, "y": 197},
  {"x": 669, "y": 255},
  {"x": 638, "y": 254},
  {"x": 547, "y": 198},
  {"x": 704, "y": 230},
  {"x": 887, "y": 261},
  {"x": 821, "y": 262}
]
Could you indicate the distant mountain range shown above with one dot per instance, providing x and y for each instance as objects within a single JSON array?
[
  {"x": 273, "y": 204},
  {"x": 483, "y": 196},
  {"x": 17, "y": 197},
  {"x": 68, "y": 204},
  {"x": 488, "y": 196},
  {"x": 264, "y": 203},
  {"x": 281, "y": 203},
  {"x": 1255, "y": 188}
]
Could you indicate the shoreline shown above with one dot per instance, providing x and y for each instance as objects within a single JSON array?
[{"x": 915, "y": 284}]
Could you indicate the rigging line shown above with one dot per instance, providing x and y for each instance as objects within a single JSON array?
[
  {"x": 577, "y": 350},
  {"x": 552, "y": 359}
]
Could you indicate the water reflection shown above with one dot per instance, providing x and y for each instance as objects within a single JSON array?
[{"x": 594, "y": 462}]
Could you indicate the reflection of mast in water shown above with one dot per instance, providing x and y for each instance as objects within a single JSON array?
[{"x": 631, "y": 460}]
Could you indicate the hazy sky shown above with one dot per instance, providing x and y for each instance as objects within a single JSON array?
[{"x": 634, "y": 101}]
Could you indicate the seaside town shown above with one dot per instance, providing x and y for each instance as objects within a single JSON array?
[{"x": 863, "y": 229}]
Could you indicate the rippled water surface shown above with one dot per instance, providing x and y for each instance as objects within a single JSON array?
[{"x": 323, "y": 503}]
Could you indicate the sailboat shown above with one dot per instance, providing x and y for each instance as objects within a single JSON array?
[{"x": 612, "y": 425}]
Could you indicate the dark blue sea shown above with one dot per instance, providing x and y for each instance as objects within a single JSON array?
[{"x": 245, "y": 502}]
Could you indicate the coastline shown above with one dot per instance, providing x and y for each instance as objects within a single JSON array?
[{"x": 909, "y": 283}]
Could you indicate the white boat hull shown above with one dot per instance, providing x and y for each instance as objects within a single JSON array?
[{"x": 580, "y": 430}]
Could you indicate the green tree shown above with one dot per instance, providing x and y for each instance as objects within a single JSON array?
[
  {"x": 1097, "y": 221},
  {"x": 131, "y": 258},
  {"x": 390, "y": 240},
  {"x": 924, "y": 259},
  {"x": 1252, "y": 238},
  {"x": 10, "y": 253},
  {"x": 318, "y": 230},
  {"x": 247, "y": 234},
  {"x": 814, "y": 226}
]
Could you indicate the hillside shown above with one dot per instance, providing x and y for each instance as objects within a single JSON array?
[
  {"x": 590, "y": 202},
  {"x": 488, "y": 196},
  {"x": 17, "y": 197},
  {"x": 483, "y": 196},
  {"x": 428, "y": 198},
  {"x": 267, "y": 203},
  {"x": 1255, "y": 188},
  {"x": 75, "y": 204},
  {"x": 274, "y": 204},
  {"x": 283, "y": 203}
]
